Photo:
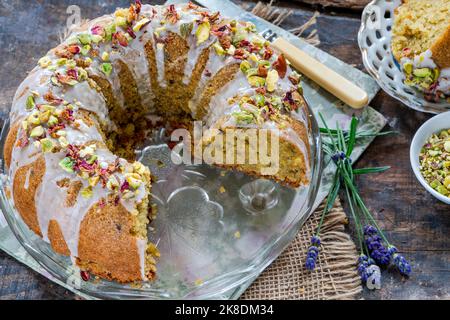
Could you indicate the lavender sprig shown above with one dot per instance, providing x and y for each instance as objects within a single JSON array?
[{"x": 375, "y": 248}]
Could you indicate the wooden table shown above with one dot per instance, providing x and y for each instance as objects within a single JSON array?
[{"x": 417, "y": 223}]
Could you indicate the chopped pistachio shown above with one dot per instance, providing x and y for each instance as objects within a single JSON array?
[
  {"x": 105, "y": 56},
  {"x": 87, "y": 192},
  {"x": 121, "y": 21},
  {"x": 422, "y": 72},
  {"x": 96, "y": 38},
  {"x": 134, "y": 180},
  {"x": 243, "y": 117},
  {"x": 447, "y": 146},
  {"x": 140, "y": 24},
  {"x": 202, "y": 33},
  {"x": 256, "y": 81},
  {"x": 93, "y": 181},
  {"x": 112, "y": 183},
  {"x": 30, "y": 104},
  {"x": 44, "y": 116},
  {"x": 85, "y": 50},
  {"x": 272, "y": 80},
  {"x": 37, "y": 132},
  {"x": 219, "y": 50},
  {"x": 84, "y": 38},
  {"x": 34, "y": 118},
  {"x": 231, "y": 50},
  {"x": 44, "y": 62},
  {"x": 47, "y": 145},
  {"x": 245, "y": 66},
  {"x": 63, "y": 142},
  {"x": 408, "y": 67},
  {"x": 186, "y": 29},
  {"x": 106, "y": 68},
  {"x": 67, "y": 164}
]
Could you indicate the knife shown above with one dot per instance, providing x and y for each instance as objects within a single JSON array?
[{"x": 325, "y": 77}]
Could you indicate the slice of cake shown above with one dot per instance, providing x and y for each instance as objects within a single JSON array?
[{"x": 421, "y": 44}]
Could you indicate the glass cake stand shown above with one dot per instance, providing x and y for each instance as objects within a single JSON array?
[{"x": 216, "y": 230}]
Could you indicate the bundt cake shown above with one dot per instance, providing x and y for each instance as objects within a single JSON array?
[
  {"x": 79, "y": 115},
  {"x": 421, "y": 44}
]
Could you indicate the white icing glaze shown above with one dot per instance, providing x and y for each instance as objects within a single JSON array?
[{"x": 85, "y": 97}]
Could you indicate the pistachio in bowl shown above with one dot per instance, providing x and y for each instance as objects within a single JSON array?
[{"x": 430, "y": 156}]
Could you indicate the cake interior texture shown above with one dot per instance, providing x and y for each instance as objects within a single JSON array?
[
  {"x": 80, "y": 114},
  {"x": 422, "y": 25}
]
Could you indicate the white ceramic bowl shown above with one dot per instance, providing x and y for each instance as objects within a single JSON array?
[{"x": 435, "y": 124}]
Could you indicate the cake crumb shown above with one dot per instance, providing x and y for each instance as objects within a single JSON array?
[
  {"x": 223, "y": 173},
  {"x": 237, "y": 234},
  {"x": 222, "y": 189}
]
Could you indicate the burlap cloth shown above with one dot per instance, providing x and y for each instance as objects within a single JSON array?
[{"x": 335, "y": 276}]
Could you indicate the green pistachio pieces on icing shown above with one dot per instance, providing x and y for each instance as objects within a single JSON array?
[
  {"x": 112, "y": 183},
  {"x": 84, "y": 38},
  {"x": 121, "y": 21},
  {"x": 85, "y": 49},
  {"x": 272, "y": 80},
  {"x": 260, "y": 100},
  {"x": 87, "y": 192},
  {"x": 256, "y": 81},
  {"x": 67, "y": 164},
  {"x": 30, "y": 104},
  {"x": 422, "y": 72},
  {"x": 93, "y": 180},
  {"x": 37, "y": 132},
  {"x": 219, "y": 49},
  {"x": 110, "y": 29},
  {"x": 106, "y": 68},
  {"x": 186, "y": 29},
  {"x": 245, "y": 66},
  {"x": 202, "y": 33},
  {"x": 47, "y": 145},
  {"x": 138, "y": 26},
  {"x": 44, "y": 62},
  {"x": 408, "y": 67},
  {"x": 52, "y": 120},
  {"x": 134, "y": 180},
  {"x": 63, "y": 142},
  {"x": 105, "y": 56},
  {"x": 243, "y": 117}
]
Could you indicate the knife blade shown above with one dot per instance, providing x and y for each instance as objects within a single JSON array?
[{"x": 290, "y": 45}]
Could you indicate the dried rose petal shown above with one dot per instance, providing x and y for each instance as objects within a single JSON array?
[
  {"x": 281, "y": 66},
  {"x": 98, "y": 30},
  {"x": 268, "y": 52},
  {"x": 52, "y": 99},
  {"x": 131, "y": 33},
  {"x": 74, "y": 49},
  {"x": 120, "y": 37},
  {"x": 124, "y": 186},
  {"x": 171, "y": 14},
  {"x": 85, "y": 275},
  {"x": 73, "y": 73}
]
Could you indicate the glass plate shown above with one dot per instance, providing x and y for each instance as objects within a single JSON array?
[
  {"x": 216, "y": 230},
  {"x": 374, "y": 39}
]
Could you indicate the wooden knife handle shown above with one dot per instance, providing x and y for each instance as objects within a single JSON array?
[{"x": 328, "y": 79}]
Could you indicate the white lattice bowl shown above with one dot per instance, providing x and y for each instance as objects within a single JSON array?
[{"x": 374, "y": 39}]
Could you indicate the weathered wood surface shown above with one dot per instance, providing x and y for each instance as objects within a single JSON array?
[
  {"x": 417, "y": 223},
  {"x": 342, "y": 4}
]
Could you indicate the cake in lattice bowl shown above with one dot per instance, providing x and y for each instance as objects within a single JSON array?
[
  {"x": 92, "y": 184},
  {"x": 405, "y": 46}
]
